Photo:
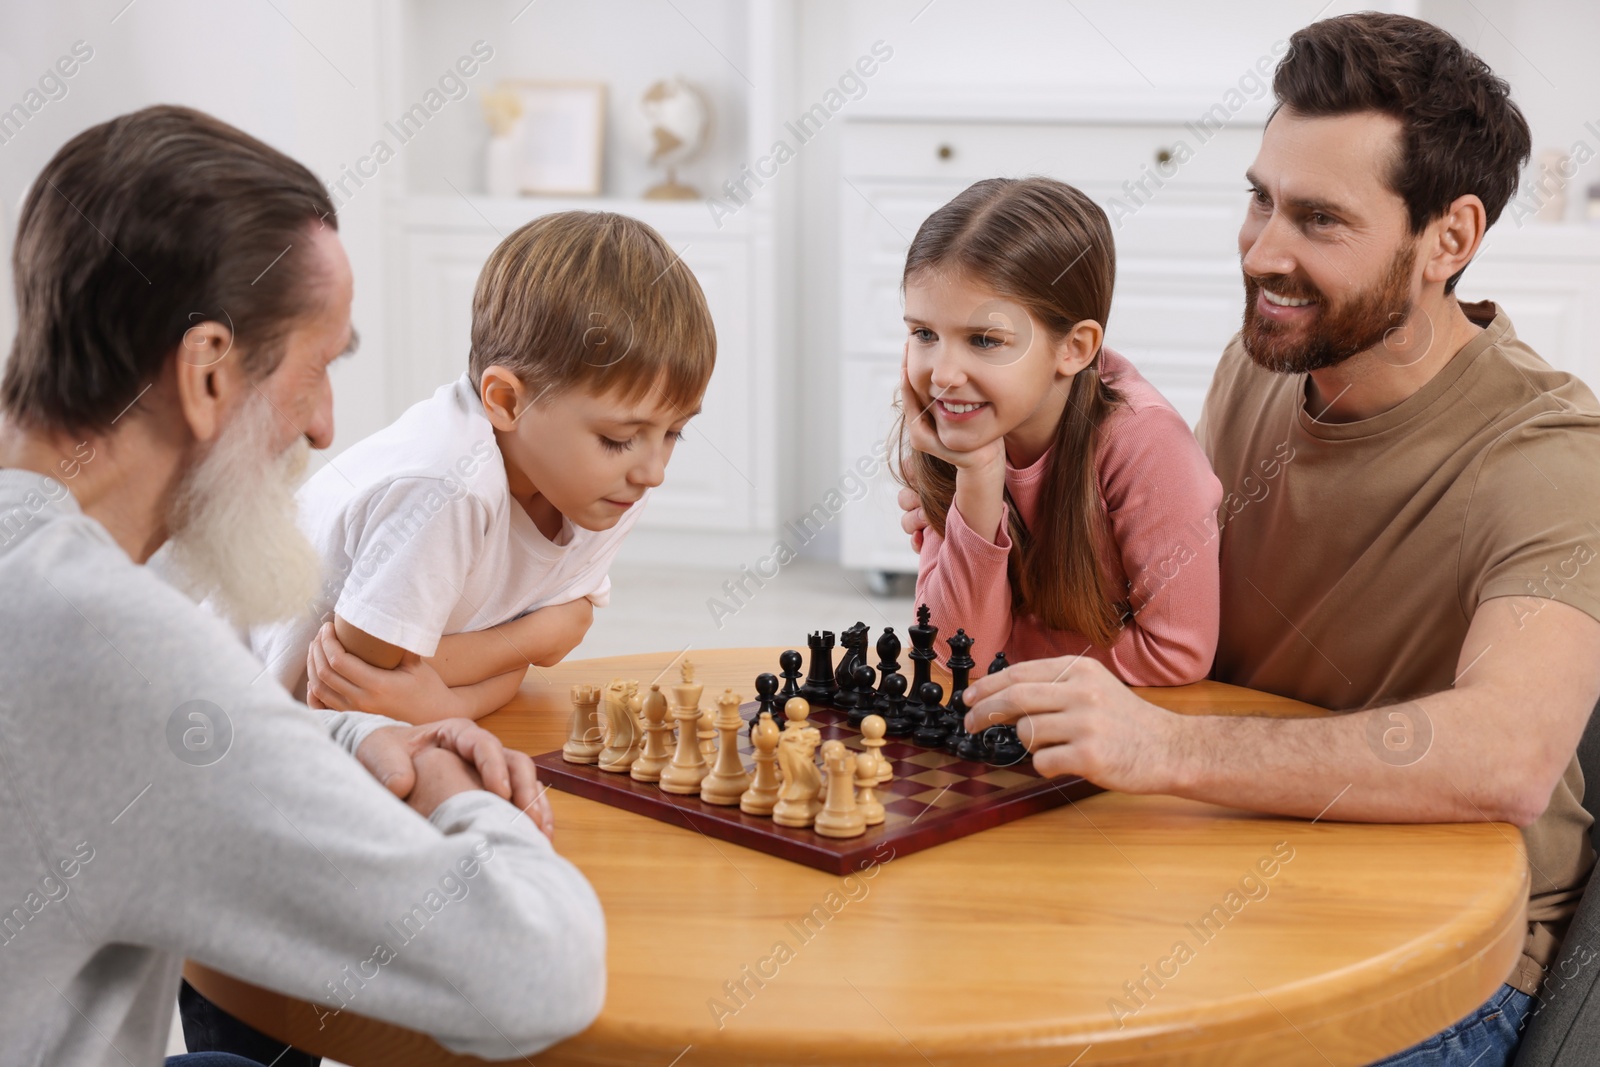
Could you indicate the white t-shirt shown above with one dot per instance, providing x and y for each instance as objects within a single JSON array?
[{"x": 420, "y": 538}]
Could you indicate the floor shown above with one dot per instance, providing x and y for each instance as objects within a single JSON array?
[{"x": 653, "y": 609}]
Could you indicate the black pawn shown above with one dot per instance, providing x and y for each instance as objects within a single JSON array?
[
  {"x": 1003, "y": 748},
  {"x": 896, "y": 722},
  {"x": 935, "y": 726},
  {"x": 971, "y": 747},
  {"x": 789, "y": 662},
  {"x": 766, "y": 700},
  {"x": 863, "y": 706},
  {"x": 958, "y": 736},
  {"x": 888, "y": 666},
  {"x": 819, "y": 687}
]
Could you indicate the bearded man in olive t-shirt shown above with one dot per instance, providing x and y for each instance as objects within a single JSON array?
[{"x": 1412, "y": 510}]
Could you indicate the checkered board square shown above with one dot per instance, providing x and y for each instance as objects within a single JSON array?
[{"x": 933, "y": 797}]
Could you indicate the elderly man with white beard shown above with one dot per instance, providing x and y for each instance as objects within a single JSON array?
[{"x": 181, "y": 293}]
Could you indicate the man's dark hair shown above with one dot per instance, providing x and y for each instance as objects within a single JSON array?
[
  {"x": 136, "y": 230},
  {"x": 1460, "y": 131}
]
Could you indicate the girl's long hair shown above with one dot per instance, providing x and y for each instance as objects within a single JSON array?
[{"x": 1047, "y": 246}]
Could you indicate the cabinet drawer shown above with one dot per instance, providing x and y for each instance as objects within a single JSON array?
[{"x": 1078, "y": 152}]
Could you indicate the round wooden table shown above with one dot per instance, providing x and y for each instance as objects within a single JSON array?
[{"x": 1115, "y": 930}]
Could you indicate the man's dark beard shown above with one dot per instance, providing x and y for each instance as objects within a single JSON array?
[{"x": 1336, "y": 332}]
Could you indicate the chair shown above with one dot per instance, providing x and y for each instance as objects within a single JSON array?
[{"x": 1564, "y": 1029}]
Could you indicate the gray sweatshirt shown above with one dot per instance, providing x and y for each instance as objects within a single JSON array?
[{"x": 162, "y": 798}]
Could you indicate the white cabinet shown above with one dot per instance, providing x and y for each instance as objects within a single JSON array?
[
  {"x": 1179, "y": 294},
  {"x": 1546, "y": 277}
]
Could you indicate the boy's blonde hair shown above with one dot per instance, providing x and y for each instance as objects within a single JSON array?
[{"x": 594, "y": 300}]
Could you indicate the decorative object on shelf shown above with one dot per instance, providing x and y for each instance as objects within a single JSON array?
[
  {"x": 554, "y": 137},
  {"x": 1594, "y": 202},
  {"x": 1553, "y": 172},
  {"x": 677, "y": 121},
  {"x": 502, "y": 110}
]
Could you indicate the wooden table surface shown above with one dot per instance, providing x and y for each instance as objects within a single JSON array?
[{"x": 1050, "y": 940}]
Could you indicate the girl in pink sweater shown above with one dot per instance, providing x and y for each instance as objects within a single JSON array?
[{"x": 1068, "y": 508}]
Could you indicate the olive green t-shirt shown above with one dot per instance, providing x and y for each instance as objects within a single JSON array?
[{"x": 1355, "y": 554}]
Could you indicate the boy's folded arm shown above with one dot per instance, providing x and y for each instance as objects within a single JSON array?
[
  {"x": 489, "y": 695},
  {"x": 541, "y": 638},
  {"x": 372, "y": 650}
]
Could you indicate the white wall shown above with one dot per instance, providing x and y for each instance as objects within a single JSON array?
[
  {"x": 300, "y": 75},
  {"x": 1545, "y": 49},
  {"x": 1006, "y": 51},
  {"x": 626, "y": 43},
  {"x": 307, "y": 77}
]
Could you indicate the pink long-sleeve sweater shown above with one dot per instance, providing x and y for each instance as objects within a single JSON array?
[{"x": 1161, "y": 498}]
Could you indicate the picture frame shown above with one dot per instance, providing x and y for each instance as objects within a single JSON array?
[{"x": 558, "y": 137}]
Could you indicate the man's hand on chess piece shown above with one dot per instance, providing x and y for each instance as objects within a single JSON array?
[
  {"x": 1077, "y": 718},
  {"x": 408, "y": 761}
]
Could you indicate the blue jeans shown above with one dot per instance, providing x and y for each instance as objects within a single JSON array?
[
  {"x": 207, "y": 1029},
  {"x": 1486, "y": 1038}
]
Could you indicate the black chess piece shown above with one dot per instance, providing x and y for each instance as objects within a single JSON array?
[
  {"x": 1003, "y": 747},
  {"x": 958, "y": 735},
  {"x": 766, "y": 700},
  {"x": 922, "y": 656},
  {"x": 863, "y": 705},
  {"x": 888, "y": 666},
  {"x": 971, "y": 747},
  {"x": 789, "y": 663},
  {"x": 936, "y": 725},
  {"x": 895, "y": 720},
  {"x": 960, "y": 664},
  {"x": 854, "y": 643},
  {"x": 819, "y": 688}
]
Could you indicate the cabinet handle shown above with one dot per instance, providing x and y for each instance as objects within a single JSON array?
[
  {"x": 945, "y": 151},
  {"x": 1163, "y": 155}
]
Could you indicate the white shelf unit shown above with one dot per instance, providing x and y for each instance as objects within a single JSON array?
[{"x": 719, "y": 495}]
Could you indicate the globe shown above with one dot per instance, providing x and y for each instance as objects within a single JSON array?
[{"x": 677, "y": 118}]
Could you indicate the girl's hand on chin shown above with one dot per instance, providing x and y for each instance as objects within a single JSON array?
[{"x": 920, "y": 422}]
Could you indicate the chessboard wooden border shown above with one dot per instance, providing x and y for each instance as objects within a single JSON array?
[{"x": 833, "y": 855}]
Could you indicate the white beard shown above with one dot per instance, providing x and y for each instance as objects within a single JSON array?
[{"x": 232, "y": 526}]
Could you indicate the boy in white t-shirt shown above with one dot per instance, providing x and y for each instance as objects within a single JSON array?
[{"x": 472, "y": 536}]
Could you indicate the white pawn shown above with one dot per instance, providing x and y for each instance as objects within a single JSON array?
[
  {"x": 867, "y": 789},
  {"x": 763, "y": 792},
  {"x": 872, "y": 730}
]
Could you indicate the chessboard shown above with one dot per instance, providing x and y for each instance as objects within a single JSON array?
[
  {"x": 932, "y": 794},
  {"x": 933, "y": 797}
]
